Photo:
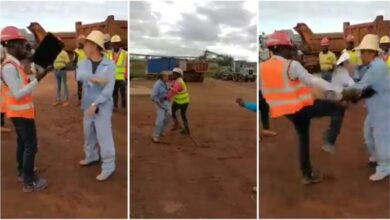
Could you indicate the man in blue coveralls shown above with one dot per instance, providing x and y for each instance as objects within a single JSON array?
[{"x": 97, "y": 76}]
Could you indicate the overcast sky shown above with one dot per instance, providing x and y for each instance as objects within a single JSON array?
[
  {"x": 319, "y": 16},
  {"x": 59, "y": 16},
  {"x": 188, "y": 28}
]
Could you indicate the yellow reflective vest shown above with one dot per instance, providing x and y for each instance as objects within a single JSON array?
[
  {"x": 327, "y": 60},
  {"x": 354, "y": 56},
  {"x": 386, "y": 58},
  {"x": 120, "y": 63},
  {"x": 80, "y": 55},
  {"x": 182, "y": 97}
]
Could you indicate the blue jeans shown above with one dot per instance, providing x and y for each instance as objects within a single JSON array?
[
  {"x": 161, "y": 120},
  {"x": 61, "y": 78}
]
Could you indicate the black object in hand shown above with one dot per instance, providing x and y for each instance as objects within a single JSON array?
[
  {"x": 97, "y": 110},
  {"x": 368, "y": 93},
  {"x": 47, "y": 51}
]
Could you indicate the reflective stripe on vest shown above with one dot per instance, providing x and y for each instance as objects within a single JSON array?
[
  {"x": 18, "y": 108},
  {"x": 120, "y": 63},
  {"x": 283, "y": 95},
  {"x": 182, "y": 97}
]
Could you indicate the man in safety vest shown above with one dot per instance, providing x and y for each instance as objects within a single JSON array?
[
  {"x": 354, "y": 55},
  {"x": 4, "y": 129},
  {"x": 178, "y": 94},
  {"x": 119, "y": 56},
  {"x": 285, "y": 85},
  {"x": 79, "y": 56},
  {"x": 327, "y": 60},
  {"x": 19, "y": 106},
  {"x": 384, "y": 44}
]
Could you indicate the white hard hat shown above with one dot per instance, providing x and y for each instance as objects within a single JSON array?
[
  {"x": 96, "y": 37},
  {"x": 344, "y": 57},
  {"x": 178, "y": 70},
  {"x": 116, "y": 39}
]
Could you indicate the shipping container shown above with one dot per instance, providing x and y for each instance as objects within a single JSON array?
[{"x": 156, "y": 65}]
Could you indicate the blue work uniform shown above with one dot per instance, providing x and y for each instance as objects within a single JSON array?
[
  {"x": 98, "y": 128},
  {"x": 159, "y": 97},
  {"x": 377, "y": 126}
]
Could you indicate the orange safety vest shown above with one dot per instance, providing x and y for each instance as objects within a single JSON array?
[
  {"x": 2, "y": 99},
  {"x": 283, "y": 95},
  {"x": 18, "y": 108}
]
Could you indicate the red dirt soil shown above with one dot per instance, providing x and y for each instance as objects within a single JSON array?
[
  {"x": 345, "y": 192},
  {"x": 73, "y": 191},
  {"x": 177, "y": 178}
]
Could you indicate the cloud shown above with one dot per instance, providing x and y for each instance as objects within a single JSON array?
[
  {"x": 59, "y": 16},
  {"x": 185, "y": 28},
  {"x": 322, "y": 16}
]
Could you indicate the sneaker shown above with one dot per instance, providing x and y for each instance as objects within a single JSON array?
[
  {"x": 312, "y": 179},
  {"x": 269, "y": 133},
  {"x": 155, "y": 139},
  {"x": 36, "y": 186},
  {"x": 378, "y": 176},
  {"x": 56, "y": 103},
  {"x": 5, "y": 129},
  {"x": 85, "y": 162},
  {"x": 330, "y": 148},
  {"x": 103, "y": 176}
]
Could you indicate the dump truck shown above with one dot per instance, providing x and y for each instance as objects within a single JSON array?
[
  {"x": 311, "y": 41},
  {"x": 193, "y": 70},
  {"x": 110, "y": 26}
]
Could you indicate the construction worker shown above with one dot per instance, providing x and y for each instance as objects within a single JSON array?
[
  {"x": 61, "y": 64},
  {"x": 377, "y": 126},
  {"x": 384, "y": 44},
  {"x": 159, "y": 97},
  {"x": 119, "y": 56},
  {"x": 178, "y": 94},
  {"x": 80, "y": 55},
  {"x": 354, "y": 55},
  {"x": 327, "y": 60},
  {"x": 18, "y": 87},
  {"x": 107, "y": 42},
  {"x": 4, "y": 129},
  {"x": 285, "y": 86},
  {"x": 97, "y": 76}
]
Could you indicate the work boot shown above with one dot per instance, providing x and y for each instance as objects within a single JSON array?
[
  {"x": 37, "y": 185},
  {"x": 330, "y": 148},
  {"x": 85, "y": 162},
  {"x": 312, "y": 179},
  {"x": 104, "y": 176},
  {"x": 5, "y": 129}
]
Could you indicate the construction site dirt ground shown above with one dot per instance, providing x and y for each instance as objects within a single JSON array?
[
  {"x": 73, "y": 191},
  {"x": 345, "y": 192},
  {"x": 211, "y": 178}
]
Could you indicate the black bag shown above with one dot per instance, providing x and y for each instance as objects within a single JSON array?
[{"x": 47, "y": 51}]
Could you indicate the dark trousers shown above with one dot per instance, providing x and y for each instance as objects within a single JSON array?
[
  {"x": 79, "y": 89},
  {"x": 26, "y": 147},
  {"x": 120, "y": 87},
  {"x": 301, "y": 121},
  {"x": 264, "y": 111},
  {"x": 183, "y": 113},
  {"x": 2, "y": 119}
]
